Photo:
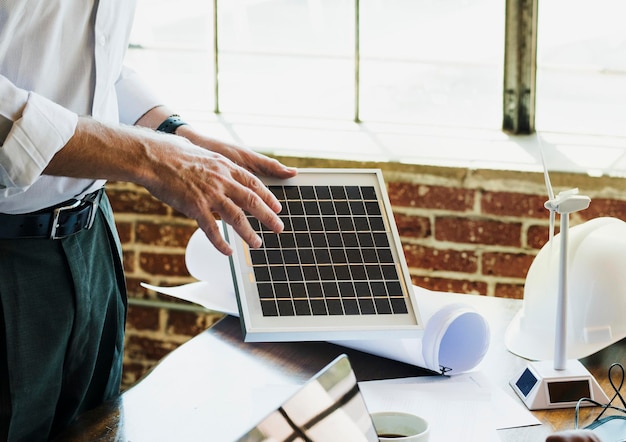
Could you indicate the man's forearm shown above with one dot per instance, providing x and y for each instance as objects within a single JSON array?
[{"x": 100, "y": 151}]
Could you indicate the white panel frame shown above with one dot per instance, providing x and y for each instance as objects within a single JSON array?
[{"x": 258, "y": 328}]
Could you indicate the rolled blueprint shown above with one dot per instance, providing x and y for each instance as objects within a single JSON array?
[{"x": 455, "y": 337}]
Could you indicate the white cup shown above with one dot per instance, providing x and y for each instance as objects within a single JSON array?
[{"x": 395, "y": 426}]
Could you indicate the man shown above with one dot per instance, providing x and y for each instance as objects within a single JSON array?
[{"x": 71, "y": 117}]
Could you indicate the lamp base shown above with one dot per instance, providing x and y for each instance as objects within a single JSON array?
[{"x": 542, "y": 387}]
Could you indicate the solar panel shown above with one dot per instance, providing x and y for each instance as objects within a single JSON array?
[{"x": 337, "y": 270}]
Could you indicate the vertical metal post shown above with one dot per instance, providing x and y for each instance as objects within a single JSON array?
[
  {"x": 560, "y": 336},
  {"x": 357, "y": 60},
  {"x": 216, "y": 84},
  {"x": 520, "y": 66}
]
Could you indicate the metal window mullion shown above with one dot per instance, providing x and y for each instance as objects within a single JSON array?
[
  {"x": 520, "y": 66},
  {"x": 357, "y": 60},
  {"x": 216, "y": 88}
]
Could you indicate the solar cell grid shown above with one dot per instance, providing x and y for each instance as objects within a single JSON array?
[{"x": 327, "y": 238}]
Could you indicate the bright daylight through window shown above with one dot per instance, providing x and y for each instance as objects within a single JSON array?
[{"x": 419, "y": 74}]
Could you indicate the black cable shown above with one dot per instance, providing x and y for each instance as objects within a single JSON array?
[{"x": 610, "y": 404}]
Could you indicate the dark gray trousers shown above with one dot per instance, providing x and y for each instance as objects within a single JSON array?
[{"x": 62, "y": 317}]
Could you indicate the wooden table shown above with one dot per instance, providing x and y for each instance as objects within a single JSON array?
[{"x": 214, "y": 387}]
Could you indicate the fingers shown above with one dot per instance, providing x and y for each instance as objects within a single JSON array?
[
  {"x": 248, "y": 159},
  {"x": 208, "y": 225},
  {"x": 259, "y": 189},
  {"x": 274, "y": 168},
  {"x": 265, "y": 166},
  {"x": 232, "y": 192},
  {"x": 236, "y": 218},
  {"x": 251, "y": 196},
  {"x": 200, "y": 183}
]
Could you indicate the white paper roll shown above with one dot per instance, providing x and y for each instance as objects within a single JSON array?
[{"x": 455, "y": 339}]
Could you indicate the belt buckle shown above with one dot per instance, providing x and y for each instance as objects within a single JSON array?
[
  {"x": 55, "y": 219},
  {"x": 94, "y": 200}
]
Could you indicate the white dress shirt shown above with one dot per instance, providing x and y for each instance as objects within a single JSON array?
[{"x": 59, "y": 59}]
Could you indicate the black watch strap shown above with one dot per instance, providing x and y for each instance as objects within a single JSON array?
[{"x": 170, "y": 125}]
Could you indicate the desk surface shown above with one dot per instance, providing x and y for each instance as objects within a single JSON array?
[{"x": 214, "y": 384}]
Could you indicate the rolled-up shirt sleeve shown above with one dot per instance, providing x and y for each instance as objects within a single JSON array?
[
  {"x": 39, "y": 128},
  {"x": 134, "y": 96}
]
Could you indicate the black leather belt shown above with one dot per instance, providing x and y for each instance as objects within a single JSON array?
[{"x": 54, "y": 223}]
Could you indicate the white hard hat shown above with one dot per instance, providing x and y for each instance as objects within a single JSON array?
[{"x": 596, "y": 294}]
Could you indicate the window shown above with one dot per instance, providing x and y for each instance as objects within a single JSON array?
[
  {"x": 424, "y": 77},
  {"x": 414, "y": 61},
  {"x": 172, "y": 47},
  {"x": 581, "y": 76},
  {"x": 432, "y": 62}
]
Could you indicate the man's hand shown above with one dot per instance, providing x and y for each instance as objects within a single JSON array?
[
  {"x": 256, "y": 163},
  {"x": 573, "y": 436},
  {"x": 198, "y": 181}
]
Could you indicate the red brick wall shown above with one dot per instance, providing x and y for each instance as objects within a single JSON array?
[
  {"x": 153, "y": 239},
  {"x": 466, "y": 231}
]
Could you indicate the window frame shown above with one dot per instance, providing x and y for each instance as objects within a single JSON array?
[{"x": 520, "y": 65}]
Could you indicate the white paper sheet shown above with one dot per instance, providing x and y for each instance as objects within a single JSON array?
[
  {"x": 201, "y": 293},
  {"x": 506, "y": 411},
  {"x": 455, "y": 338},
  {"x": 465, "y": 407},
  {"x": 453, "y": 414}
]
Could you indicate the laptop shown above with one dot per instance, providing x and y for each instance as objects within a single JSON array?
[{"x": 329, "y": 407}]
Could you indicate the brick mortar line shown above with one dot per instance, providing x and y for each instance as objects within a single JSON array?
[
  {"x": 468, "y": 247},
  {"x": 158, "y": 334},
  {"x": 420, "y": 271},
  {"x": 134, "y": 218},
  {"x": 474, "y": 277},
  {"x": 170, "y": 280},
  {"x": 427, "y": 212},
  {"x": 153, "y": 248}
]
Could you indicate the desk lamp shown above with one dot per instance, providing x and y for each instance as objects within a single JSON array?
[{"x": 562, "y": 382}]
